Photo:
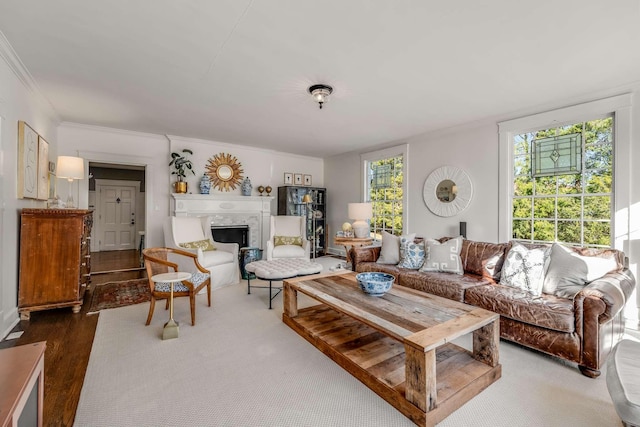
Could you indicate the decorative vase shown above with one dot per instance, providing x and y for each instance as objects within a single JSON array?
[
  {"x": 205, "y": 184},
  {"x": 246, "y": 187},
  {"x": 181, "y": 187}
]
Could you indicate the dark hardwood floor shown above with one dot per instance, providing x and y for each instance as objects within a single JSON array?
[{"x": 69, "y": 338}]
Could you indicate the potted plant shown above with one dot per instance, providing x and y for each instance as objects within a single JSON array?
[{"x": 180, "y": 163}]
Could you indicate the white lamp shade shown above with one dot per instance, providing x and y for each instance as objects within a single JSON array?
[
  {"x": 360, "y": 211},
  {"x": 70, "y": 167}
]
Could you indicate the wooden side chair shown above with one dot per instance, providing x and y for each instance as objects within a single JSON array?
[{"x": 166, "y": 260}]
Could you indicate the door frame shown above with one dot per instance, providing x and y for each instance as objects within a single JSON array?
[
  {"x": 118, "y": 159},
  {"x": 95, "y": 246}
]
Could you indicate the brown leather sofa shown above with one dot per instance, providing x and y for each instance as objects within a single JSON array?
[{"x": 581, "y": 330}]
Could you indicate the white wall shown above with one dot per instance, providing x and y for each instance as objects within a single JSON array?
[
  {"x": 98, "y": 144},
  {"x": 19, "y": 100},
  {"x": 263, "y": 167}
]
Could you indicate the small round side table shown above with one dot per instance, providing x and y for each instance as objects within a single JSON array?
[{"x": 171, "y": 327}]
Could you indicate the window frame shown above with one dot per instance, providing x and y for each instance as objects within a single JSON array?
[
  {"x": 620, "y": 107},
  {"x": 396, "y": 151}
]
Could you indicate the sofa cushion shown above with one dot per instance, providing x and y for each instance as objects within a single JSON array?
[
  {"x": 211, "y": 258},
  {"x": 289, "y": 251},
  {"x": 524, "y": 268},
  {"x": 390, "y": 252},
  {"x": 483, "y": 259},
  {"x": 548, "y": 311},
  {"x": 443, "y": 257},
  {"x": 412, "y": 254},
  {"x": 569, "y": 272},
  {"x": 447, "y": 285}
]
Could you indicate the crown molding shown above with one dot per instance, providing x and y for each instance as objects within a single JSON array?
[
  {"x": 106, "y": 129},
  {"x": 20, "y": 70},
  {"x": 231, "y": 146}
]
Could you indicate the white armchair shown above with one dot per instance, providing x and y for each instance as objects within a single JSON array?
[
  {"x": 288, "y": 226},
  {"x": 222, "y": 263}
]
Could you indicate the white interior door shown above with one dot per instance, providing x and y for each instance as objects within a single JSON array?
[{"x": 117, "y": 217}]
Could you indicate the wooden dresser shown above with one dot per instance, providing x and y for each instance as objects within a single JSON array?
[{"x": 55, "y": 262}]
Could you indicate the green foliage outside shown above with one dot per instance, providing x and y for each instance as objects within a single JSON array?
[
  {"x": 385, "y": 193},
  {"x": 571, "y": 208}
]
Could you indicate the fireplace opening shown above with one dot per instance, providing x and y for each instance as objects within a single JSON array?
[{"x": 231, "y": 234}]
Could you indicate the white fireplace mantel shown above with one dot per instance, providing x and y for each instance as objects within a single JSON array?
[{"x": 227, "y": 209}]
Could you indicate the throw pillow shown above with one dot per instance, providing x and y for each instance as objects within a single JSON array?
[
  {"x": 390, "y": 251},
  {"x": 443, "y": 257},
  {"x": 205, "y": 245},
  {"x": 524, "y": 268},
  {"x": 569, "y": 272},
  {"x": 287, "y": 240},
  {"x": 411, "y": 254}
]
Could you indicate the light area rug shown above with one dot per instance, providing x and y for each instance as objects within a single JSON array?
[{"x": 241, "y": 366}]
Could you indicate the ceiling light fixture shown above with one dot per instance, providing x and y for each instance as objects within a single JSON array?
[{"x": 320, "y": 93}]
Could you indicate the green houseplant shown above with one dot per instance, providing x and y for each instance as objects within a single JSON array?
[{"x": 181, "y": 164}]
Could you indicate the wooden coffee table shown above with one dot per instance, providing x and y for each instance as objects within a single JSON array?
[{"x": 399, "y": 344}]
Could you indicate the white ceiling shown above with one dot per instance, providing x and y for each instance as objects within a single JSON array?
[{"x": 237, "y": 71}]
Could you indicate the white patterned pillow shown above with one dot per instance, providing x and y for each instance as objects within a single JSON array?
[
  {"x": 444, "y": 257},
  {"x": 411, "y": 254},
  {"x": 524, "y": 268}
]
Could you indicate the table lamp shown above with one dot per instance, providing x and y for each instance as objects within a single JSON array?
[
  {"x": 70, "y": 168},
  {"x": 360, "y": 212}
]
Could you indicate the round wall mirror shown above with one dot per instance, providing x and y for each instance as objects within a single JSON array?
[
  {"x": 447, "y": 191},
  {"x": 225, "y": 171}
]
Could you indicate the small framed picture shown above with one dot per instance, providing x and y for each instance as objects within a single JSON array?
[
  {"x": 288, "y": 178},
  {"x": 307, "y": 180},
  {"x": 297, "y": 178}
]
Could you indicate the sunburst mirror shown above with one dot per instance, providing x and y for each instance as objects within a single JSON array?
[{"x": 225, "y": 171}]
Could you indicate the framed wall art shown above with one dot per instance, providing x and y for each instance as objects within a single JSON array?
[
  {"x": 307, "y": 180},
  {"x": 27, "y": 162},
  {"x": 288, "y": 178},
  {"x": 43, "y": 169},
  {"x": 297, "y": 178}
]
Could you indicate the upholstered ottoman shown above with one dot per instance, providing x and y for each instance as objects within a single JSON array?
[
  {"x": 280, "y": 269},
  {"x": 623, "y": 381}
]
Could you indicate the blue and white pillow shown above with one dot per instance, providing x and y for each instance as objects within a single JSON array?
[
  {"x": 411, "y": 254},
  {"x": 524, "y": 268}
]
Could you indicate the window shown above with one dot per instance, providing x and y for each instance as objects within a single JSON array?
[
  {"x": 385, "y": 183},
  {"x": 563, "y": 184}
]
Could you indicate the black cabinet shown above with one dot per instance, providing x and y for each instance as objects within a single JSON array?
[{"x": 291, "y": 202}]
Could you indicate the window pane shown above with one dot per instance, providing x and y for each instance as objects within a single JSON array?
[
  {"x": 598, "y": 181},
  {"x": 522, "y": 165},
  {"x": 521, "y": 229},
  {"x": 569, "y": 184},
  {"x": 523, "y": 186},
  {"x": 522, "y": 208},
  {"x": 569, "y": 207},
  {"x": 598, "y": 156},
  {"x": 544, "y": 207},
  {"x": 600, "y": 130},
  {"x": 597, "y": 207},
  {"x": 597, "y": 233},
  {"x": 544, "y": 230},
  {"x": 521, "y": 143},
  {"x": 569, "y": 231},
  {"x": 545, "y": 185}
]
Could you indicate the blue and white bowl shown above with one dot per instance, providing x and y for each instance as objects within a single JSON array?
[{"x": 375, "y": 283}]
